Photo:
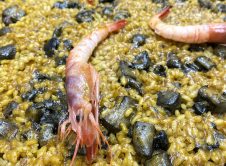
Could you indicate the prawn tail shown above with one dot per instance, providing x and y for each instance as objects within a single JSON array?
[
  {"x": 164, "y": 13},
  {"x": 112, "y": 27},
  {"x": 217, "y": 33}
]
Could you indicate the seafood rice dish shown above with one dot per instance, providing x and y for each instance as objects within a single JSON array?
[{"x": 112, "y": 82}]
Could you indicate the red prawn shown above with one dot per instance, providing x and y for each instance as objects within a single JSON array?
[
  {"x": 82, "y": 86},
  {"x": 211, "y": 33}
]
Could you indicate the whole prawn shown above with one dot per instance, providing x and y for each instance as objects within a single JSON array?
[
  {"x": 82, "y": 86},
  {"x": 212, "y": 33}
]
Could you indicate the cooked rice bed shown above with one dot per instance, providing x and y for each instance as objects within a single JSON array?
[{"x": 184, "y": 129}]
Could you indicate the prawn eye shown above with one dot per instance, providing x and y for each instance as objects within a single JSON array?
[{"x": 78, "y": 118}]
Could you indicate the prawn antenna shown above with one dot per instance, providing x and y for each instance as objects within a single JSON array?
[{"x": 165, "y": 12}]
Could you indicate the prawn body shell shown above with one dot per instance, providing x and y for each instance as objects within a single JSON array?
[
  {"x": 183, "y": 34},
  {"x": 78, "y": 82}
]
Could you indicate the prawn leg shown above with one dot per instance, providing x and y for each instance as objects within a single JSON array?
[
  {"x": 102, "y": 136},
  {"x": 95, "y": 93},
  {"x": 76, "y": 150}
]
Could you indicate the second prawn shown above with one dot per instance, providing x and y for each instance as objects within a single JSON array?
[{"x": 206, "y": 33}]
